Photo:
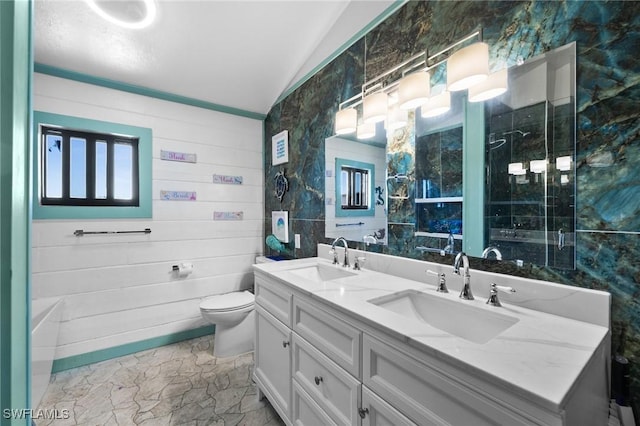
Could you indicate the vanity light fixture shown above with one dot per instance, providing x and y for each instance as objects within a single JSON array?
[
  {"x": 494, "y": 85},
  {"x": 437, "y": 105},
  {"x": 563, "y": 163},
  {"x": 366, "y": 130},
  {"x": 397, "y": 117},
  {"x": 517, "y": 169},
  {"x": 468, "y": 66},
  {"x": 538, "y": 166},
  {"x": 346, "y": 121},
  {"x": 413, "y": 90},
  {"x": 132, "y": 14},
  {"x": 375, "y": 107},
  {"x": 411, "y": 80}
]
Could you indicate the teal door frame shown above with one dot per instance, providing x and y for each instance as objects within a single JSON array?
[{"x": 16, "y": 65}]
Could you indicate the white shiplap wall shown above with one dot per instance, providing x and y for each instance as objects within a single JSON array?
[{"x": 119, "y": 288}]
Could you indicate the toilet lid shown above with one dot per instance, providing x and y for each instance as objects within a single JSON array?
[{"x": 228, "y": 302}]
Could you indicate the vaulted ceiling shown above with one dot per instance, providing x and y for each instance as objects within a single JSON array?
[{"x": 238, "y": 54}]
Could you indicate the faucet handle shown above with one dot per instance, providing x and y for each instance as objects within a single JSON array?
[
  {"x": 442, "y": 282},
  {"x": 335, "y": 255},
  {"x": 493, "y": 293},
  {"x": 358, "y": 263}
]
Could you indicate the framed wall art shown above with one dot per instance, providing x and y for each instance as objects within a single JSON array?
[{"x": 280, "y": 148}]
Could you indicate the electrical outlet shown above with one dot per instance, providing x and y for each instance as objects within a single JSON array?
[{"x": 297, "y": 240}]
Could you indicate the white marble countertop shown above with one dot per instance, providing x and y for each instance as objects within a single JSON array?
[{"x": 540, "y": 357}]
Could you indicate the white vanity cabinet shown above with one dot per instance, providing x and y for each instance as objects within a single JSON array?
[{"x": 322, "y": 361}]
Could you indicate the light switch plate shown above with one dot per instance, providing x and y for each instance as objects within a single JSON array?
[{"x": 297, "y": 240}]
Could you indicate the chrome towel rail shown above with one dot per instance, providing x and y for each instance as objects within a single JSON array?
[
  {"x": 350, "y": 224},
  {"x": 80, "y": 232}
]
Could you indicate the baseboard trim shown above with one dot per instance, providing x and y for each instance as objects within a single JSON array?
[{"x": 128, "y": 348}]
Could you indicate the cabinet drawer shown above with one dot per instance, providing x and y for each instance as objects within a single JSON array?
[
  {"x": 325, "y": 330},
  {"x": 380, "y": 413},
  {"x": 425, "y": 395},
  {"x": 335, "y": 390},
  {"x": 306, "y": 411},
  {"x": 275, "y": 298}
]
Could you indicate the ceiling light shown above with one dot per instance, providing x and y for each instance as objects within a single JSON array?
[
  {"x": 413, "y": 90},
  {"x": 366, "y": 130},
  {"x": 132, "y": 14},
  {"x": 346, "y": 121},
  {"x": 436, "y": 105},
  {"x": 468, "y": 66},
  {"x": 374, "y": 107},
  {"x": 494, "y": 85}
]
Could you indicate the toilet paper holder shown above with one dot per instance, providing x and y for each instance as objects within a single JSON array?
[{"x": 183, "y": 269}]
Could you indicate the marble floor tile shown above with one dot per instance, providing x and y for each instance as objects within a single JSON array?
[{"x": 178, "y": 384}]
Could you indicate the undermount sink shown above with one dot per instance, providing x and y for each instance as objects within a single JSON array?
[
  {"x": 451, "y": 316},
  {"x": 321, "y": 273}
]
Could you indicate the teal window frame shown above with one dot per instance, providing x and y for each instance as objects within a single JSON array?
[
  {"x": 340, "y": 212},
  {"x": 144, "y": 135}
]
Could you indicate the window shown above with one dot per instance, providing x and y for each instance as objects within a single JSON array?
[
  {"x": 354, "y": 188},
  {"x": 90, "y": 169},
  {"x": 82, "y": 168}
]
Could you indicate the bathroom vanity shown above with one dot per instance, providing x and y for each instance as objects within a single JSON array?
[{"x": 382, "y": 346}]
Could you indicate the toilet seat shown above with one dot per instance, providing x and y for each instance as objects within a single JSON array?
[{"x": 234, "y": 301}]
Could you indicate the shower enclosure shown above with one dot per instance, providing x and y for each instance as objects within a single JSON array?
[
  {"x": 530, "y": 190},
  {"x": 530, "y": 162}
]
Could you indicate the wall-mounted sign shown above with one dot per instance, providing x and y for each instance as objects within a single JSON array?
[
  {"x": 280, "y": 148},
  {"x": 228, "y": 215},
  {"x": 231, "y": 180},
  {"x": 177, "y": 156},
  {"x": 280, "y": 225},
  {"x": 178, "y": 195}
]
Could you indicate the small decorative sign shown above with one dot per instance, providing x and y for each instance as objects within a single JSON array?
[
  {"x": 280, "y": 148},
  {"x": 177, "y": 156},
  {"x": 178, "y": 195},
  {"x": 231, "y": 180},
  {"x": 280, "y": 225},
  {"x": 228, "y": 215}
]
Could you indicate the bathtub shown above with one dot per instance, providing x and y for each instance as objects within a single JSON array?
[{"x": 45, "y": 319}]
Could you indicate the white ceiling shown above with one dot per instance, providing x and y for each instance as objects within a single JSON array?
[{"x": 240, "y": 54}]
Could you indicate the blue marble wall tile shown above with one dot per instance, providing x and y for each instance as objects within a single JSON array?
[{"x": 607, "y": 34}]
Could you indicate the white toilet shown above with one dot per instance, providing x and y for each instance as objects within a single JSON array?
[{"x": 234, "y": 316}]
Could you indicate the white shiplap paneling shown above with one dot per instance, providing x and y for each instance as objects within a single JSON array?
[{"x": 120, "y": 289}]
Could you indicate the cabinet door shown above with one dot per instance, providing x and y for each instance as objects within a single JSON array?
[
  {"x": 376, "y": 411},
  {"x": 273, "y": 361},
  {"x": 306, "y": 412}
]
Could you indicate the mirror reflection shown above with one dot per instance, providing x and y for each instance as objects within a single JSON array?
[
  {"x": 495, "y": 179},
  {"x": 355, "y": 199}
]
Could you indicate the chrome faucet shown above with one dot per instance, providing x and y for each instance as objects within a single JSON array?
[
  {"x": 450, "y": 243},
  {"x": 494, "y": 250},
  {"x": 493, "y": 293},
  {"x": 466, "y": 288},
  {"x": 346, "y": 251}
]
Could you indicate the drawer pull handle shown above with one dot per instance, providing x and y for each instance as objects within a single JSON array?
[
  {"x": 285, "y": 344},
  {"x": 363, "y": 412},
  {"x": 318, "y": 380}
]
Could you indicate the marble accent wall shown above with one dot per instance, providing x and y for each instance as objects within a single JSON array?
[{"x": 607, "y": 34}]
